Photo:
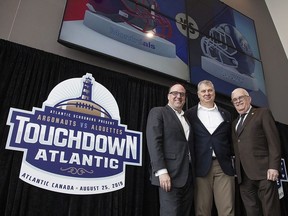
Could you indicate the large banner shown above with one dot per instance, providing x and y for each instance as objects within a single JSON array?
[{"x": 75, "y": 143}]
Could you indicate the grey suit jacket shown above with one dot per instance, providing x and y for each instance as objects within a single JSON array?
[
  {"x": 258, "y": 146},
  {"x": 167, "y": 145}
]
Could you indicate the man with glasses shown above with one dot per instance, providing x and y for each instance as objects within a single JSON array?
[
  {"x": 257, "y": 156},
  {"x": 171, "y": 153},
  {"x": 211, "y": 126}
]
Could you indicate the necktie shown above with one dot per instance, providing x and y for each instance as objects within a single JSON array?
[{"x": 240, "y": 125}]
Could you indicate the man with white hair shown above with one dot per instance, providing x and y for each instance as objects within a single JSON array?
[{"x": 257, "y": 156}]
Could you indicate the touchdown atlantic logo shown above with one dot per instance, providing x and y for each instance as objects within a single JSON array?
[{"x": 74, "y": 144}]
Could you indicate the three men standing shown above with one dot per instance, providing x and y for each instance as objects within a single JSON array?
[{"x": 200, "y": 143}]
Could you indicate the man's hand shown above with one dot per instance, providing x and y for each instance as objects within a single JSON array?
[
  {"x": 272, "y": 174},
  {"x": 165, "y": 182}
]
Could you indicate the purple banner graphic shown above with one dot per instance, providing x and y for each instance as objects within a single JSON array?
[{"x": 75, "y": 143}]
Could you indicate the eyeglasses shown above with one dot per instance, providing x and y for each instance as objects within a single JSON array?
[
  {"x": 176, "y": 93},
  {"x": 239, "y": 99}
]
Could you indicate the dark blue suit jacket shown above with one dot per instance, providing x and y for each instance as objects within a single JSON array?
[{"x": 204, "y": 143}]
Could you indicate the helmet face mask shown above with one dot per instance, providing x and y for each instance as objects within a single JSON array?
[
  {"x": 139, "y": 14},
  {"x": 229, "y": 47}
]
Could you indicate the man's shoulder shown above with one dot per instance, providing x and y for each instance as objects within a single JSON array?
[
  {"x": 159, "y": 108},
  {"x": 222, "y": 109},
  {"x": 263, "y": 109},
  {"x": 260, "y": 110},
  {"x": 192, "y": 109}
]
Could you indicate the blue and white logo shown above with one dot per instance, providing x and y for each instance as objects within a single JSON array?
[
  {"x": 75, "y": 143},
  {"x": 282, "y": 178}
]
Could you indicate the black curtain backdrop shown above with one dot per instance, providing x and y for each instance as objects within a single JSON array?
[{"x": 27, "y": 76}]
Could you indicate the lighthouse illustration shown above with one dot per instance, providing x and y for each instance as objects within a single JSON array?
[
  {"x": 75, "y": 141},
  {"x": 84, "y": 103}
]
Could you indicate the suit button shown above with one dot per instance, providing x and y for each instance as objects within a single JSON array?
[{"x": 238, "y": 140}]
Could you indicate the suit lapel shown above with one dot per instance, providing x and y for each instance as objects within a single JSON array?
[
  {"x": 222, "y": 113},
  {"x": 176, "y": 118},
  {"x": 247, "y": 119},
  {"x": 196, "y": 118}
]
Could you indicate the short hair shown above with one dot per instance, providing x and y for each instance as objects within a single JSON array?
[
  {"x": 174, "y": 85},
  {"x": 205, "y": 82},
  {"x": 244, "y": 91}
]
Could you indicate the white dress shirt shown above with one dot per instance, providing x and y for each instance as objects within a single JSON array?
[{"x": 210, "y": 117}]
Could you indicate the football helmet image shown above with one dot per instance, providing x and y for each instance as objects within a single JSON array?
[
  {"x": 140, "y": 14},
  {"x": 228, "y": 56},
  {"x": 229, "y": 47}
]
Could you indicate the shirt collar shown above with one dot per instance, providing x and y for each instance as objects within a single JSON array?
[
  {"x": 181, "y": 113},
  {"x": 208, "y": 109},
  {"x": 248, "y": 110}
]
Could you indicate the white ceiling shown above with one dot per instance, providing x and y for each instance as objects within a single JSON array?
[{"x": 278, "y": 10}]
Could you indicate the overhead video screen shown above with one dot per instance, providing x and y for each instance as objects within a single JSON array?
[
  {"x": 188, "y": 39},
  {"x": 143, "y": 32},
  {"x": 225, "y": 50}
]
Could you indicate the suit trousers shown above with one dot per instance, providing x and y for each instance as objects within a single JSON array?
[
  {"x": 178, "y": 201},
  {"x": 218, "y": 185},
  {"x": 260, "y": 197}
]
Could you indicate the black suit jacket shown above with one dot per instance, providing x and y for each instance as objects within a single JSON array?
[
  {"x": 168, "y": 146},
  {"x": 204, "y": 143},
  {"x": 258, "y": 146}
]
